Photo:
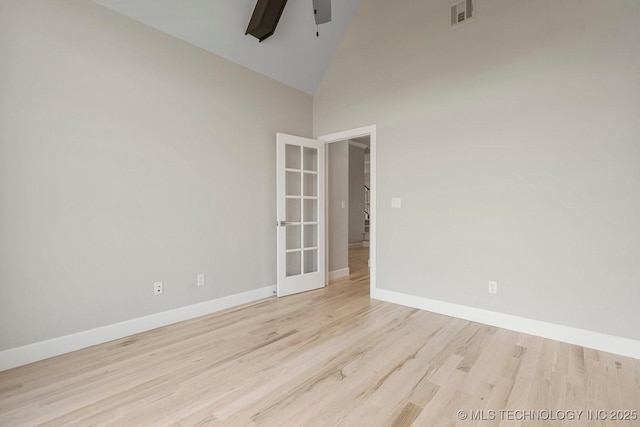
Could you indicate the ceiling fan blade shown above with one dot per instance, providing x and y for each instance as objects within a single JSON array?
[
  {"x": 322, "y": 11},
  {"x": 265, "y": 18}
]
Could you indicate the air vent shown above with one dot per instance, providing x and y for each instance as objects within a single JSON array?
[{"x": 461, "y": 11}]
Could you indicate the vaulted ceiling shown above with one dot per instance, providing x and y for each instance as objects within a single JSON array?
[{"x": 293, "y": 55}]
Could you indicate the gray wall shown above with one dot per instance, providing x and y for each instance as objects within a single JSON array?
[
  {"x": 356, "y": 194},
  {"x": 128, "y": 157},
  {"x": 513, "y": 142},
  {"x": 338, "y": 192}
]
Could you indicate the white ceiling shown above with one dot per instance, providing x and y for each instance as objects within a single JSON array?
[{"x": 293, "y": 55}]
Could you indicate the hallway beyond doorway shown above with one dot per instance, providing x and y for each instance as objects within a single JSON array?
[{"x": 358, "y": 268}]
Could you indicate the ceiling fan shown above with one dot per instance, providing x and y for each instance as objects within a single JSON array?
[{"x": 266, "y": 15}]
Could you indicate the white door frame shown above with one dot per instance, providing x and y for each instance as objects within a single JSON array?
[{"x": 369, "y": 131}]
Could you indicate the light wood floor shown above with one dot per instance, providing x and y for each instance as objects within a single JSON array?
[{"x": 323, "y": 358}]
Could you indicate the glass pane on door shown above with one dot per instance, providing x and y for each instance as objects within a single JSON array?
[
  {"x": 293, "y": 184},
  {"x": 292, "y": 157},
  {"x": 310, "y": 159},
  {"x": 293, "y": 209},
  {"x": 310, "y": 210},
  {"x": 311, "y": 261},
  {"x": 294, "y": 263},
  {"x": 310, "y": 185},
  {"x": 294, "y": 236},
  {"x": 311, "y": 236}
]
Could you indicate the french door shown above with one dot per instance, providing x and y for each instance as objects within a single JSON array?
[{"x": 301, "y": 212}]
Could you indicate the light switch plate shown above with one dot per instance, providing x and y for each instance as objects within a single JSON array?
[{"x": 396, "y": 202}]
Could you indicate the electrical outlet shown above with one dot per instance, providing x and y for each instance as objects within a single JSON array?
[
  {"x": 157, "y": 288},
  {"x": 493, "y": 287},
  {"x": 201, "y": 279}
]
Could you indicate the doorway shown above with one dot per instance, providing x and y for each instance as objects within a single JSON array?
[{"x": 360, "y": 134}]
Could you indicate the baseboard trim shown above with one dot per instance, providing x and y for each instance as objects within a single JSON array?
[
  {"x": 356, "y": 245},
  {"x": 595, "y": 340},
  {"x": 30, "y": 353},
  {"x": 336, "y": 274}
]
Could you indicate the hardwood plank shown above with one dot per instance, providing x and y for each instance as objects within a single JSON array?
[{"x": 407, "y": 415}]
